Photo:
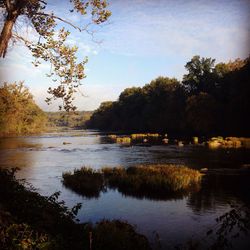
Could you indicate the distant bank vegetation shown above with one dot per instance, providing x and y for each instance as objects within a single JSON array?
[
  {"x": 20, "y": 115},
  {"x": 211, "y": 99},
  {"x": 75, "y": 119}
]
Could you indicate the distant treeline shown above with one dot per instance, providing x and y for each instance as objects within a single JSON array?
[
  {"x": 19, "y": 115},
  {"x": 210, "y": 99},
  {"x": 76, "y": 119}
]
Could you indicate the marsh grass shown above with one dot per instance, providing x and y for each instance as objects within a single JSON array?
[
  {"x": 150, "y": 181},
  {"x": 85, "y": 180},
  {"x": 147, "y": 135},
  {"x": 153, "y": 180}
]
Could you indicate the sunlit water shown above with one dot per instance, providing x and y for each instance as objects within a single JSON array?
[{"x": 43, "y": 159}]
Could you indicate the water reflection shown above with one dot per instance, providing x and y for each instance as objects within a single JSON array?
[
  {"x": 218, "y": 190},
  {"x": 157, "y": 196},
  {"x": 99, "y": 189},
  {"x": 43, "y": 159}
]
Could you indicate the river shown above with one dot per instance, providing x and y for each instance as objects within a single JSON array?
[{"x": 42, "y": 160}]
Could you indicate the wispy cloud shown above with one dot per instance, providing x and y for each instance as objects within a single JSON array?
[
  {"x": 144, "y": 39},
  {"x": 179, "y": 28}
]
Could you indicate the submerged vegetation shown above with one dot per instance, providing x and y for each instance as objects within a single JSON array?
[
  {"x": 211, "y": 99},
  {"x": 31, "y": 221},
  {"x": 152, "y": 181}
]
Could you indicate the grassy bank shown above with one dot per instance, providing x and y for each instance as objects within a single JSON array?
[
  {"x": 151, "y": 181},
  {"x": 31, "y": 221}
]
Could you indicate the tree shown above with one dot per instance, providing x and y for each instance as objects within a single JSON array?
[
  {"x": 51, "y": 43},
  {"x": 201, "y": 75},
  {"x": 201, "y": 112},
  {"x": 18, "y": 112},
  {"x": 165, "y": 105}
]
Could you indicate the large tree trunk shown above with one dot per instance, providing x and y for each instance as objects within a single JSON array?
[{"x": 6, "y": 34}]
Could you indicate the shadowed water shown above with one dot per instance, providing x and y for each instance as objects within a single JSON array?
[{"x": 42, "y": 159}]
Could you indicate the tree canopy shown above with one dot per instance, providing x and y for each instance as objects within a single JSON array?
[
  {"x": 50, "y": 43},
  {"x": 18, "y": 112},
  {"x": 212, "y": 99}
]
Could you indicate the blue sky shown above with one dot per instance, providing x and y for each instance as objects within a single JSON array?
[{"x": 143, "y": 40}]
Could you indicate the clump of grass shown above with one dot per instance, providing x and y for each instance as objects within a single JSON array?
[
  {"x": 151, "y": 181},
  {"x": 141, "y": 136},
  {"x": 123, "y": 140},
  {"x": 152, "y": 178},
  {"x": 85, "y": 180},
  {"x": 112, "y": 136}
]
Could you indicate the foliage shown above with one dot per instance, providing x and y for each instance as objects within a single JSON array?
[
  {"x": 211, "y": 99},
  {"x": 76, "y": 119},
  {"x": 201, "y": 75},
  {"x": 201, "y": 112},
  {"x": 230, "y": 229},
  {"x": 21, "y": 236},
  {"x": 231, "y": 225},
  {"x": 156, "y": 107},
  {"x": 115, "y": 235},
  {"x": 18, "y": 112},
  {"x": 45, "y": 215},
  {"x": 50, "y": 42},
  {"x": 151, "y": 181}
]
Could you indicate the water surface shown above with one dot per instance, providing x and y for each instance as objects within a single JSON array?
[{"x": 43, "y": 159}]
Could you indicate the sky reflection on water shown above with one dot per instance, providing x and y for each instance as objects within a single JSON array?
[{"x": 42, "y": 159}]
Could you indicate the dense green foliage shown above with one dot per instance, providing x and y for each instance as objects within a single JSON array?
[
  {"x": 151, "y": 181},
  {"x": 76, "y": 119},
  {"x": 211, "y": 99},
  {"x": 43, "y": 214},
  {"x": 31, "y": 221},
  {"x": 18, "y": 112}
]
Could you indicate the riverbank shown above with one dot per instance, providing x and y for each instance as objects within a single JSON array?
[{"x": 31, "y": 221}]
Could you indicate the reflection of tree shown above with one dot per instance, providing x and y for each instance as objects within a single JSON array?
[
  {"x": 18, "y": 152},
  {"x": 220, "y": 189}
]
